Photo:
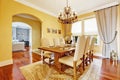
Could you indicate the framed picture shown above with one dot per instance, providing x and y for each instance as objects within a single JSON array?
[
  {"x": 53, "y": 31},
  {"x": 48, "y": 30},
  {"x": 59, "y": 31}
]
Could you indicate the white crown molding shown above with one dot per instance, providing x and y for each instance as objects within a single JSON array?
[
  {"x": 100, "y": 7},
  {"x": 7, "y": 62},
  {"x": 115, "y": 2},
  {"x": 35, "y": 7}
]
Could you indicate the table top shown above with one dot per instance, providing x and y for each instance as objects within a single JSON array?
[{"x": 57, "y": 49}]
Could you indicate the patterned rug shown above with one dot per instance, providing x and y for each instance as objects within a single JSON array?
[{"x": 39, "y": 71}]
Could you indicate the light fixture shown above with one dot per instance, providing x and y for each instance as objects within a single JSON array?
[{"x": 67, "y": 16}]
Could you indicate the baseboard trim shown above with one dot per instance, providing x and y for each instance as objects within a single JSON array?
[{"x": 7, "y": 62}]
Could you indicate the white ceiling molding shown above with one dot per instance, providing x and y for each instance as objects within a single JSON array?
[
  {"x": 100, "y": 7},
  {"x": 107, "y": 5},
  {"x": 27, "y": 16},
  {"x": 35, "y": 7},
  {"x": 81, "y": 7}
]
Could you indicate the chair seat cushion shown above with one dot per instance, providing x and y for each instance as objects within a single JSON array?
[
  {"x": 47, "y": 54},
  {"x": 68, "y": 60}
]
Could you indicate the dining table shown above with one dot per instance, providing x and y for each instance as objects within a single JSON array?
[{"x": 58, "y": 52}]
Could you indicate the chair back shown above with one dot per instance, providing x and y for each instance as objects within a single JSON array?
[
  {"x": 80, "y": 46},
  {"x": 62, "y": 41},
  {"x": 87, "y": 44},
  {"x": 56, "y": 41},
  {"x": 45, "y": 42},
  {"x": 92, "y": 44}
]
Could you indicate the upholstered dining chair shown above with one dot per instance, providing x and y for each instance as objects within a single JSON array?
[
  {"x": 75, "y": 61},
  {"x": 62, "y": 41},
  {"x": 46, "y": 54},
  {"x": 56, "y": 41},
  {"x": 86, "y": 53},
  {"x": 91, "y": 49}
]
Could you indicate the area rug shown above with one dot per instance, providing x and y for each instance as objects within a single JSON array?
[{"x": 39, "y": 71}]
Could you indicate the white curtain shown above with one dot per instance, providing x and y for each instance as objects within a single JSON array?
[
  {"x": 107, "y": 24},
  {"x": 118, "y": 29}
]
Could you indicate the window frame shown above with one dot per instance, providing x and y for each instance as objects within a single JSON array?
[{"x": 83, "y": 32}]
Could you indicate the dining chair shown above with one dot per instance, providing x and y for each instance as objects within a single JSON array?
[
  {"x": 62, "y": 41},
  {"x": 46, "y": 54},
  {"x": 56, "y": 41},
  {"x": 78, "y": 58},
  {"x": 87, "y": 45},
  {"x": 91, "y": 49}
]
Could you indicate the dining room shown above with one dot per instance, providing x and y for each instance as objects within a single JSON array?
[{"x": 70, "y": 40}]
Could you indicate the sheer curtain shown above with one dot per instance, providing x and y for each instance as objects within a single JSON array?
[
  {"x": 107, "y": 24},
  {"x": 118, "y": 29}
]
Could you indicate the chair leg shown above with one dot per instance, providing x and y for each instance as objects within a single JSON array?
[
  {"x": 75, "y": 71},
  {"x": 86, "y": 61},
  {"x": 89, "y": 56},
  {"x": 83, "y": 62},
  {"x": 92, "y": 56},
  {"x": 49, "y": 61},
  {"x": 43, "y": 59}
]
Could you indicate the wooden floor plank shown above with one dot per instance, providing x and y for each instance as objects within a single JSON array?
[{"x": 109, "y": 70}]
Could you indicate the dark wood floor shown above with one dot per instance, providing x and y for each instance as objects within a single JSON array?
[{"x": 109, "y": 70}]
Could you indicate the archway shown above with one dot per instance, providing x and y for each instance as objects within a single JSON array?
[
  {"x": 30, "y": 24},
  {"x": 21, "y": 32},
  {"x": 35, "y": 24}
]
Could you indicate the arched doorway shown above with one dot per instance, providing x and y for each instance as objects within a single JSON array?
[
  {"x": 29, "y": 30},
  {"x": 35, "y": 24},
  {"x": 21, "y": 32}
]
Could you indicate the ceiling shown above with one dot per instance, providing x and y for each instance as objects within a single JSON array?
[{"x": 53, "y": 7}]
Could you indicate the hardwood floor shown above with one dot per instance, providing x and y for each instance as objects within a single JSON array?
[{"x": 109, "y": 69}]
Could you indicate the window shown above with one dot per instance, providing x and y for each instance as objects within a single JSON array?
[
  {"x": 77, "y": 28},
  {"x": 90, "y": 27}
]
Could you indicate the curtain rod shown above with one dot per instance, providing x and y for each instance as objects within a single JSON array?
[{"x": 107, "y": 7}]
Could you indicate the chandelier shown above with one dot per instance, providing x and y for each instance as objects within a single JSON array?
[{"x": 67, "y": 16}]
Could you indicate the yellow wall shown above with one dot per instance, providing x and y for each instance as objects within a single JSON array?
[
  {"x": 87, "y": 15},
  {"x": 36, "y": 29},
  {"x": 8, "y": 8}
]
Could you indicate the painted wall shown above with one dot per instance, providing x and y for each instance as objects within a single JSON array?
[
  {"x": 36, "y": 29},
  {"x": 87, "y": 15},
  {"x": 8, "y": 8}
]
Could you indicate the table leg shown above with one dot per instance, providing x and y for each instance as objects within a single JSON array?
[{"x": 56, "y": 61}]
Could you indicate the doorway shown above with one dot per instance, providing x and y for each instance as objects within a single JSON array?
[{"x": 21, "y": 36}]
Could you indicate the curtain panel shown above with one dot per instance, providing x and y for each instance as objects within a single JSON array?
[
  {"x": 107, "y": 24},
  {"x": 118, "y": 29}
]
